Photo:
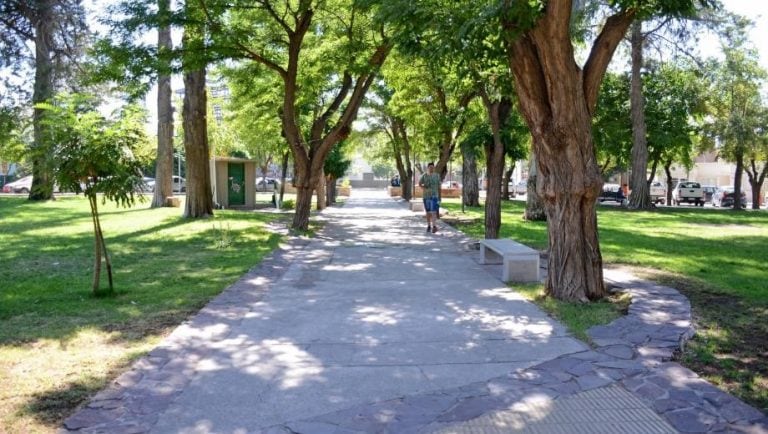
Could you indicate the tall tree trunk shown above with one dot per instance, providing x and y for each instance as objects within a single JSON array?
[
  {"x": 401, "y": 147},
  {"x": 303, "y": 206},
  {"x": 668, "y": 172},
  {"x": 406, "y": 185},
  {"x": 534, "y": 206},
  {"x": 470, "y": 190},
  {"x": 737, "y": 205},
  {"x": 640, "y": 198},
  {"x": 756, "y": 179},
  {"x": 284, "y": 168},
  {"x": 306, "y": 179},
  {"x": 164, "y": 166},
  {"x": 497, "y": 114},
  {"x": 330, "y": 190},
  {"x": 756, "y": 186},
  {"x": 652, "y": 176},
  {"x": 199, "y": 201},
  {"x": 506, "y": 180},
  {"x": 320, "y": 191},
  {"x": 43, "y": 22}
]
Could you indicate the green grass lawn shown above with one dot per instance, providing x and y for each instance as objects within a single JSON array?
[
  {"x": 718, "y": 258},
  {"x": 58, "y": 343}
]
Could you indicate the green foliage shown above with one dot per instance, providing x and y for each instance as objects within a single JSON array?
[
  {"x": 62, "y": 22},
  {"x": 673, "y": 109},
  {"x": 13, "y": 134},
  {"x": 514, "y": 134},
  {"x": 735, "y": 104},
  {"x": 611, "y": 124},
  {"x": 337, "y": 163},
  {"x": 289, "y": 204},
  {"x": 93, "y": 154},
  {"x": 125, "y": 57}
]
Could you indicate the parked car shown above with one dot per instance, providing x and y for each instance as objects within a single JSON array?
[
  {"x": 724, "y": 197},
  {"x": 450, "y": 184},
  {"x": 23, "y": 185},
  {"x": 178, "y": 184},
  {"x": 709, "y": 191},
  {"x": 147, "y": 184},
  {"x": 265, "y": 183},
  {"x": 688, "y": 192},
  {"x": 658, "y": 192},
  {"x": 612, "y": 192}
]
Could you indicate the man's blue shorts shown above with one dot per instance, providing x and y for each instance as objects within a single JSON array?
[{"x": 431, "y": 204}]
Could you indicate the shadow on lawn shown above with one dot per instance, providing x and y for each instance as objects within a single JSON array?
[
  {"x": 51, "y": 406},
  {"x": 158, "y": 281}
]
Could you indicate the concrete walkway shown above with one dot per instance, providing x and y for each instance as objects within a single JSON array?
[
  {"x": 373, "y": 326},
  {"x": 373, "y": 309}
]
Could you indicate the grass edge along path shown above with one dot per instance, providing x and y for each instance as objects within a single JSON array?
[
  {"x": 59, "y": 344},
  {"x": 577, "y": 317},
  {"x": 714, "y": 257}
]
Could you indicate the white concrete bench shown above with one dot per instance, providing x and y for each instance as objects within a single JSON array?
[{"x": 520, "y": 263}]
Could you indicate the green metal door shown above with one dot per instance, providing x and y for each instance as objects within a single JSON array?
[{"x": 236, "y": 184}]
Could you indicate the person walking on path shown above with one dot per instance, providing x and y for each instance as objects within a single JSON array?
[{"x": 430, "y": 184}]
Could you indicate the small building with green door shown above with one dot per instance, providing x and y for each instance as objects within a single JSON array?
[{"x": 234, "y": 182}]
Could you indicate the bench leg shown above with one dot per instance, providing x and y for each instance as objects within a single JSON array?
[
  {"x": 488, "y": 256},
  {"x": 520, "y": 269}
]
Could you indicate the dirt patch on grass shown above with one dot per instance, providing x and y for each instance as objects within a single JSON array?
[{"x": 730, "y": 348}]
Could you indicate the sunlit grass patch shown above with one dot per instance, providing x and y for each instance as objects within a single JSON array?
[{"x": 58, "y": 343}]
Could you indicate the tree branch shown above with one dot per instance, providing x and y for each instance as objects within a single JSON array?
[
  {"x": 319, "y": 125},
  {"x": 12, "y": 25},
  {"x": 530, "y": 85},
  {"x": 558, "y": 15},
  {"x": 267, "y": 6},
  {"x": 602, "y": 52}
]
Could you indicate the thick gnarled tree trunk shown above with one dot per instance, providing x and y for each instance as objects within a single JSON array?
[
  {"x": 557, "y": 99},
  {"x": 199, "y": 201},
  {"x": 164, "y": 165},
  {"x": 640, "y": 198}
]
